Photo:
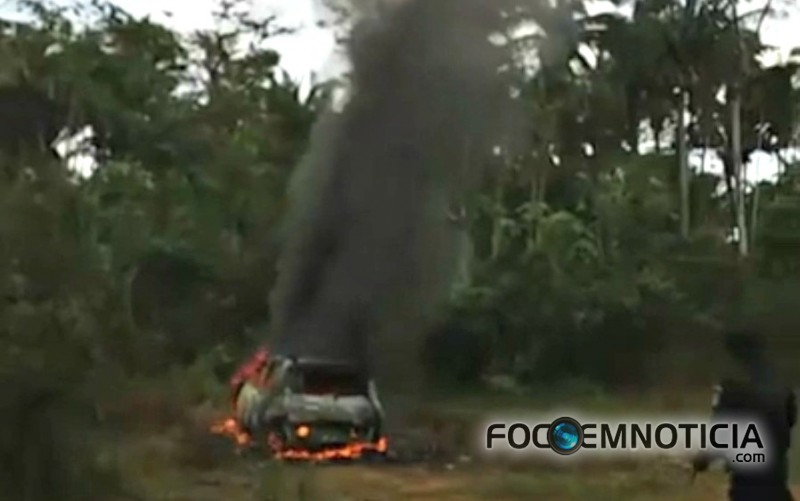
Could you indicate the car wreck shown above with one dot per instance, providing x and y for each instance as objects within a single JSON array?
[{"x": 306, "y": 408}]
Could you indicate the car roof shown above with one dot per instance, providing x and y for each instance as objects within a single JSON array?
[{"x": 322, "y": 362}]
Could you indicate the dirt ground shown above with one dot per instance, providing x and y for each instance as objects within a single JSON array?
[
  {"x": 263, "y": 482},
  {"x": 190, "y": 464}
]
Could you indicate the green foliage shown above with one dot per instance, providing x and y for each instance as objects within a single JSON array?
[
  {"x": 161, "y": 253},
  {"x": 779, "y": 226},
  {"x": 571, "y": 291},
  {"x": 54, "y": 291}
]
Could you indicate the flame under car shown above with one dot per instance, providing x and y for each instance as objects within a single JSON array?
[{"x": 306, "y": 408}]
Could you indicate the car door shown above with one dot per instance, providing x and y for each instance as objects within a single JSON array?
[{"x": 277, "y": 387}]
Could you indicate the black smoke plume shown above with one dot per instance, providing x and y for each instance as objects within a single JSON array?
[{"x": 369, "y": 248}]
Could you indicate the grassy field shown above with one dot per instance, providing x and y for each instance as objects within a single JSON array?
[{"x": 186, "y": 463}]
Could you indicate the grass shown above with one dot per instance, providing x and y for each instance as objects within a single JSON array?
[{"x": 178, "y": 460}]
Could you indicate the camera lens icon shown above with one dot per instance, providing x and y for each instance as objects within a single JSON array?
[{"x": 565, "y": 436}]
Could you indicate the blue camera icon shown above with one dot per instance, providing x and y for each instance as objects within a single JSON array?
[{"x": 565, "y": 436}]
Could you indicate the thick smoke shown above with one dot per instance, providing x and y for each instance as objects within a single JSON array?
[{"x": 369, "y": 247}]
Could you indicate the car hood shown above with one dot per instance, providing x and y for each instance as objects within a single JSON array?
[{"x": 357, "y": 410}]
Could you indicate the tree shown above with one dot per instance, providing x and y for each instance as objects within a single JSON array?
[{"x": 188, "y": 188}]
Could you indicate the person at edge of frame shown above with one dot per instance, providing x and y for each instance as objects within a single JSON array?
[{"x": 756, "y": 394}]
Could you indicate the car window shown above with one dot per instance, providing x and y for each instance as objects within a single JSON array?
[
  {"x": 332, "y": 381},
  {"x": 293, "y": 379}
]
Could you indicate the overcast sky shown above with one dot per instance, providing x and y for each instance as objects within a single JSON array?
[
  {"x": 306, "y": 51},
  {"x": 311, "y": 48}
]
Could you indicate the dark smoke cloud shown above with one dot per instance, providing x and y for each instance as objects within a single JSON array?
[{"x": 369, "y": 249}]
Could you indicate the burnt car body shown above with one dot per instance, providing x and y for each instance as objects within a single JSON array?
[{"x": 312, "y": 404}]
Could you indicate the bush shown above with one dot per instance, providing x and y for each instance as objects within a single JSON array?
[
  {"x": 46, "y": 448},
  {"x": 457, "y": 352}
]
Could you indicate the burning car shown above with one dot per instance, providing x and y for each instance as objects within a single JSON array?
[{"x": 306, "y": 408}]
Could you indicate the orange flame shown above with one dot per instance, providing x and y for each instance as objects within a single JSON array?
[
  {"x": 231, "y": 428},
  {"x": 353, "y": 450}
]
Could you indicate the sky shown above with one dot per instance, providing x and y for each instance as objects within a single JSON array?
[
  {"x": 307, "y": 51},
  {"x": 312, "y": 49}
]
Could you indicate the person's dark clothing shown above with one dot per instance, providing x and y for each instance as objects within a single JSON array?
[
  {"x": 775, "y": 406},
  {"x": 753, "y": 492}
]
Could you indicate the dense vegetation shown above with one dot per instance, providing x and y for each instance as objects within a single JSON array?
[{"x": 594, "y": 254}]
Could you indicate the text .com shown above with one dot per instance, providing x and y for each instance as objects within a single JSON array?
[{"x": 738, "y": 441}]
